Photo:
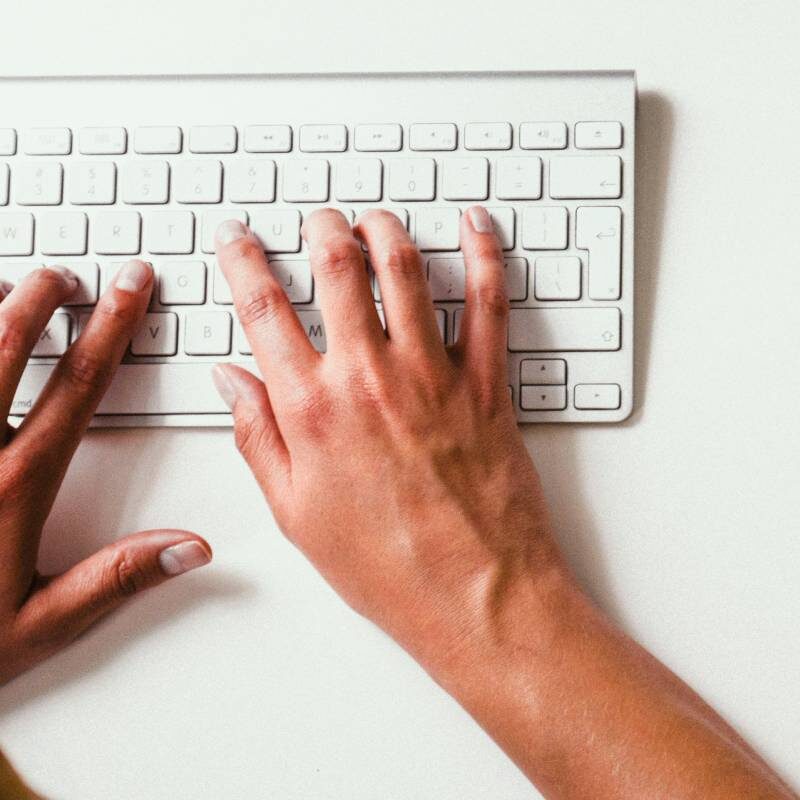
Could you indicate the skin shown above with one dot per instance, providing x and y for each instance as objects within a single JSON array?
[{"x": 396, "y": 466}]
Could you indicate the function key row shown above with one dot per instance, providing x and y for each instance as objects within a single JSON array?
[{"x": 331, "y": 138}]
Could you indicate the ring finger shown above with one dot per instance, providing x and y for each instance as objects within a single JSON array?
[{"x": 24, "y": 315}]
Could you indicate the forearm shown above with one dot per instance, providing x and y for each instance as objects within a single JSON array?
[{"x": 585, "y": 712}]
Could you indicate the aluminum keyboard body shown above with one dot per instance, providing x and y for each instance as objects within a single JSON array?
[{"x": 96, "y": 170}]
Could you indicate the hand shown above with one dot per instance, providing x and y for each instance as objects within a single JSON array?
[
  {"x": 394, "y": 463},
  {"x": 41, "y": 614}
]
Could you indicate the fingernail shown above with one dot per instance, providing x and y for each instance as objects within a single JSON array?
[
  {"x": 480, "y": 219},
  {"x": 182, "y": 557},
  {"x": 230, "y": 230},
  {"x": 224, "y": 385},
  {"x": 133, "y": 276},
  {"x": 69, "y": 277}
]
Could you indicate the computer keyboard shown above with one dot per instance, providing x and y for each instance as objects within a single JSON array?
[{"x": 94, "y": 171}]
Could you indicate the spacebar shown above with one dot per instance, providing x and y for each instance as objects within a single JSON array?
[{"x": 138, "y": 389}]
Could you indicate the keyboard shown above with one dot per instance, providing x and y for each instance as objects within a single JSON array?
[{"x": 94, "y": 171}]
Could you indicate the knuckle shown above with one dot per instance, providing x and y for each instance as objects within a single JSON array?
[
  {"x": 338, "y": 255},
  {"x": 312, "y": 410},
  {"x": 261, "y": 306},
  {"x": 248, "y": 433},
  {"x": 84, "y": 370},
  {"x": 245, "y": 249},
  {"x": 117, "y": 308},
  {"x": 492, "y": 299},
  {"x": 124, "y": 576},
  {"x": 403, "y": 258}
]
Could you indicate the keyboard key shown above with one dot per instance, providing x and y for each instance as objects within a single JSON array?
[
  {"x": 8, "y": 141},
  {"x": 543, "y": 371},
  {"x": 222, "y": 290},
  {"x": 556, "y": 278},
  {"x": 242, "y": 345},
  {"x": 38, "y": 183},
  {"x": 47, "y": 142},
  {"x": 519, "y": 178},
  {"x": 15, "y": 271},
  {"x": 465, "y": 179},
  {"x": 158, "y": 139},
  {"x": 169, "y": 232},
  {"x": 544, "y": 228},
  {"x": 208, "y": 333},
  {"x": 103, "y": 141},
  {"x": 601, "y": 396},
  {"x": 446, "y": 277},
  {"x": 92, "y": 183},
  {"x": 323, "y": 138},
  {"x": 213, "y": 219},
  {"x": 295, "y": 277},
  {"x": 562, "y": 329},
  {"x": 598, "y": 135},
  {"x": 16, "y": 234},
  {"x": 516, "y": 277},
  {"x": 182, "y": 283},
  {"x": 585, "y": 177},
  {"x": 359, "y": 179},
  {"x": 251, "y": 181},
  {"x": 315, "y": 328},
  {"x": 598, "y": 229},
  {"x": 487, "y": 136},
  {"x": 117, "y": 233},
  {"x": 433, "y": 136},
  {"x": 212, "y": 139},
  {"x": 437, "y": 228},
  {"x": 543, "y": 398},
  {"x": 157, "y": 336},
  {"x": 306, "y": 181},
  {"x": 543, "y": 135},
  {"x": 379, "y": 138},
  {"x": 278, "y": 229},
  {"x": 4, "y": 178},
  {"x": 54, "y": 339},
  {"x": 88, "y": 275},
  {"x": 503, "y": 220},
  {"x": 63, "y": 233},
  {"x": 198, "y": 181},
  {"x": 268, "y": 139},
  {"x": 412, "y": 179},
  {"x": 145, "y": 182}
]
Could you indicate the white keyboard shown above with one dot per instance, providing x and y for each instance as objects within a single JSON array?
[{"x": 94, "y": 171}]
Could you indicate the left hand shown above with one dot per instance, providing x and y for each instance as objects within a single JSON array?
[{"x": 41, "y": 614}]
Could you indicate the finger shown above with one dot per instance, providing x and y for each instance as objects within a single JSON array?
[
  {"x": 69, "y": 603},
  {"x": 24, "y": 314},
  {"x": 284, "y": 355},
  {"x": 256, "y": 430},
  {"x": 56, "y": 423},
  {"x": 342, "y": 283},
  {"x": 484, "y": 328},
  {"x": 406, "y": 299}
]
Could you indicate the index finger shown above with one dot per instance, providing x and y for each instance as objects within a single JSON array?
[{"x": 280, "y": 345}]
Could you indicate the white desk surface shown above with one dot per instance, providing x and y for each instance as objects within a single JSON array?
[{"x": 249, "y": 678}]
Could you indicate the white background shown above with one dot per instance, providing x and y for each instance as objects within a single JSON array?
[{"x": 249, "y": 678}]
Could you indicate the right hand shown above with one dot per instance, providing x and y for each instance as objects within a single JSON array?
[{"x": 394, "y": 463}]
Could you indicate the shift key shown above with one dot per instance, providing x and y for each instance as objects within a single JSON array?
[{"x": 550, "y": 330}]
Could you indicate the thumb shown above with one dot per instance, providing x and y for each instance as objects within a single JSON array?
[{"x": 69, "y": 603}]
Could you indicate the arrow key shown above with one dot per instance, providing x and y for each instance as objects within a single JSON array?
[
  {"x": 543, "y": 398},
  {"x": 600, "y": 396}
]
